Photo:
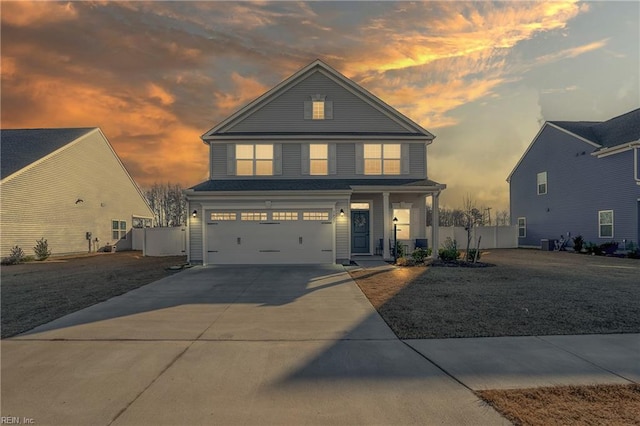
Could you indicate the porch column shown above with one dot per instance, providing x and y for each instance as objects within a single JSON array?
[
  {"x": 435, "y": 243},
  {"x": 386, "y": 229}
]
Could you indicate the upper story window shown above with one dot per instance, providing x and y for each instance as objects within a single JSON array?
[
  {"x": 318, "y": 108},
  {"x": 254, "y": 160},
  {"x": 382, "y": 159},
  {"x": 318, "y": 159},
  {"x": 542, "y": 183}
]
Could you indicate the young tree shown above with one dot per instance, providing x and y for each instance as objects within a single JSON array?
[{"x": 168, "y": 203}]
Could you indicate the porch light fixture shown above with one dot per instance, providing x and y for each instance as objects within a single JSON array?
[
  {"x": 341, "y": 212},
  {"x": 195, "y": 213},
  {"x": 395, "y": 240}
]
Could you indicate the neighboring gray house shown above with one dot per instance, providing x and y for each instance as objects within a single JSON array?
[
  {"x": 580, "y": 177},
  {"x": 313, "y": 171},
  {"x": 60, "y": 184}
]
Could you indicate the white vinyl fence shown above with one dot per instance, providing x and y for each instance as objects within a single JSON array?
[
  {"x": 160, "y": 241},
  {"x": 492, "y": 236}
]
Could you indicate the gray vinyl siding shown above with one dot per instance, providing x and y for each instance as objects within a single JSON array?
[
  {"x": 195, "y": 234},
  {"x": 40, "y": 201},
  {"x": 286, "y": 112},
  {"x": 345, "y": 159},
  {"x": 343, "y": 236},
  {"x": 578, "y": 186}
]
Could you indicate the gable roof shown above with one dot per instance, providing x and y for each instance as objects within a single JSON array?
[
  {"x": 411, "y": 127},
  {"x": 616, "y": 131},
  {"x": 603, "y": 135},
  {"x": 21, "y": 147}
]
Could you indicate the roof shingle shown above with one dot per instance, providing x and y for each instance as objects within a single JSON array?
[{"x": 21, "y": 147}]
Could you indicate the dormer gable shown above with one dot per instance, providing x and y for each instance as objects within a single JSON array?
[{"x": 317, "y": 101}]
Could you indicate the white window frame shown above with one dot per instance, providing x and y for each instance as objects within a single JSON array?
[
  {"x": 317, "y": 110},
  {"x": 321, "y": 160},
  {"x": 522, "y": 225},
  {"x": 119, "y": 228},
  {"x": 601, "y": 224},
  {"x": 254, "y": 160},
  {"x": 541, "y": 179},
  {"x": 384, "y": 160},
  {"x": 403, "y": 226}
]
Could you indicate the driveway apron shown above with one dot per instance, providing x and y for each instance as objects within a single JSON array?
[{"x": 231, "y": 345}]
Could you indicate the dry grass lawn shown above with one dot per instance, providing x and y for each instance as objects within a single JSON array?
[
  {"x": 568, "y": 405},
  {"x": 35, "y": 293},
  {"x": 527, "y": 293}
]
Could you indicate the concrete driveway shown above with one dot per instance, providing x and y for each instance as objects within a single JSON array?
[{"x": 231, "y": 345}]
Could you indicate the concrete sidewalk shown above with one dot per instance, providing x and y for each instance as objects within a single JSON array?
[
  {"x": 236, "y": 345},
  {"x": 526, "y": 362}
]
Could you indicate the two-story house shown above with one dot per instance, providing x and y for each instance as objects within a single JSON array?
[
  {"x": 313, "y": 171},
  {"x": 579, "y": 177}
]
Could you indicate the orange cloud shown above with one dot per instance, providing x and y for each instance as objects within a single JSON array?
[
  {"x": 22, "y": 14},
  {"x": 243, "y": 91}
]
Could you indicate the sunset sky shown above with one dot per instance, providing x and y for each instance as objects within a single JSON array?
[{"x": 481, "y": 76}]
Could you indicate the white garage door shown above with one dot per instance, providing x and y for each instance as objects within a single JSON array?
[{"x": 269, "y": 237}]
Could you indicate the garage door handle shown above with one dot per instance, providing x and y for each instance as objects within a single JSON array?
[
  {"x": 212, "y": 251},
  {"x": 300, "y": 240},
  {"x": 239, "y": 240}
]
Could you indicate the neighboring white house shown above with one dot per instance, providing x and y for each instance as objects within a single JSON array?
[
  {"x": 313, "y": 171},
  {"x": 69, "y": 187}
]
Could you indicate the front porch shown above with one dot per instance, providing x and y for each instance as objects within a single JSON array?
[{"x": 380, "y": 216}]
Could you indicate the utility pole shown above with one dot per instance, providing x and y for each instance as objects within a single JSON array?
[{"x": 488, "y": 209}]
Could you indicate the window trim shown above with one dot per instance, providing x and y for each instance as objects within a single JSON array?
[
  {"x": 382, "y": 159},
  {"x": 540, "y": 182},
  {"x": 522, "y": 227},
  {"x": 324, "y": 159},
  {"x": 254, "y": 160},
  {"x": 120, "y": 227},
  {"x": 600, "y": 224}
]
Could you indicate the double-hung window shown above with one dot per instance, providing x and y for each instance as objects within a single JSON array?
[
  {"x": 118, "y": 229},
  {"x": 318, "y": 159},
  {"x": 254, "y": 160},
  {"x": 382, "y": 159},
  {"x": 403, "y": 225},
  {"x": 542, "y": 183},
  {"x": 318, "y": 110},
  {"x": 522, "y": 227},
  {"x": 605, "y": 224}
]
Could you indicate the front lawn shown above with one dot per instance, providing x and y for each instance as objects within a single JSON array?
[{"x": 527, "y": 293}]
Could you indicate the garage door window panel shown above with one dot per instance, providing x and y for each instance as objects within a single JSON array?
[
  {"x": 285, "y": 216},
  {"x": 218, "y": 217},
  {"x": 253, "y": 216},
  {"x": 315, "y": 216}
]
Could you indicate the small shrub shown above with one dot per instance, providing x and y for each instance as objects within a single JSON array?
[
  {"x": 609, "y": 247},
  {"x": 42, "y": 249},
  {"x": 449, "y": 250},
  {"x": 471, "y": 255},
  {"x": 405, "y": 261},
  {"x": 593, "y": 249},
  {"x": 16, "y": 255},
  {"x": 400, "y": 250},
  {"x": 420, "y": 254},
  {"x": 578, "y": 243}
]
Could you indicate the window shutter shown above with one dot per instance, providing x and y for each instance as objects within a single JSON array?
[
  {"x": 307, "y": 110},
  {"x": 332, "y": 159},
  {"x": 359, "y": 159},
  {"x": 328, "y": 110},
  {"x": 304, "y": 159},
  {"x": 405, "y": 159},
  {"x": 231, "y": 159},
  {"x": 277, "y": 159}
]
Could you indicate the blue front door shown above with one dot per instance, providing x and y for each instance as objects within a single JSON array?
[{"x": 360, "y": 231}]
